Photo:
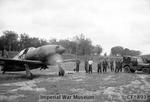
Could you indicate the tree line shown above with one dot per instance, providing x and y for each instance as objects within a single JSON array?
[
  {"x": 120, "y": 51},
  {"x": 79, "y": 45}
]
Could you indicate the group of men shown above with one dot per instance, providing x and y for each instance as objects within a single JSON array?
[
  {"x": 103, "y": 65},
  {"x": 114, "y": 66}
]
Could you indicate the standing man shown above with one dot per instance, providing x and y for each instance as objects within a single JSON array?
[
  {"x": 108, "y": 63},
  {"x": 117, "y": 67},
  {"x": 105, "y": 66},
  {"x": 77, "y": 65},
  {"x": 90, "y": 62},
  {"x": 120, "y": 66},
  {"x": 86, "y": 65},
  {"x": 114, "y": 65},
  {"x": 99, "y": 67},
  {"x": 111, "y": 66}
]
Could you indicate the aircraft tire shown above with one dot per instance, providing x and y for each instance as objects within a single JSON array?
[
  {"x": 4, "y": 67},
  {"x": 30, "y": 77},
  {"x": 61, "y": 73}
]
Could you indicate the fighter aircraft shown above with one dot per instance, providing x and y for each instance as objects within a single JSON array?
[{"x": 32, "y": 58}]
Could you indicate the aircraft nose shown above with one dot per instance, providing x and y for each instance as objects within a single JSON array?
[{"x": 60, "y": 50}]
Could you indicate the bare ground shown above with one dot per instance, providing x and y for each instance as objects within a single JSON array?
[{"x": 107, "y": 87}]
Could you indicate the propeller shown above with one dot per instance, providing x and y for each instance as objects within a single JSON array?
[{"x": 57, "y": 60}]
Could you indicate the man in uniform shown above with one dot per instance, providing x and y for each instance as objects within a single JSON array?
[
  {"x": 117, "y": 67},
  {"x": 77, "y": 65},
  {"x": 111, "y": 66},
  {"x": 90, "y": 62},
  {"x": 120, "y": 66},
  {"x": 99, "y": 67},
  {"x": 86, "y": 65},
  {"x": 105, "y": 66},
  {"x": 114, "y": 66}
]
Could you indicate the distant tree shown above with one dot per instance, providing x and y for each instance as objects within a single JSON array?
[
  {"x": 126, "y": 52},
  {"x": 79, "y": 45},
  {"x": 117, "y": 50},
  {"x": 67, "y": 44},
  {"x": 35, "y": 42},
  {"x": 97, "y": 49},
  {"x": 72, "y": 47},
  {"x": 137, "y": 53},
  {"x": 53, "y": 41},
  {"x": 11, "y": 39},
  {"x": 25, "y": 41},
  {"x": 83, "y": 45},
  {"x": 43, "y": 42},
  {"x": 134, "y": 53}
]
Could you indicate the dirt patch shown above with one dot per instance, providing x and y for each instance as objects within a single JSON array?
[{"x": 10, "y": 98}]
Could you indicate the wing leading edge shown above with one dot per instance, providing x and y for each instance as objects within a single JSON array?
[{"x": 19, "y": 61}]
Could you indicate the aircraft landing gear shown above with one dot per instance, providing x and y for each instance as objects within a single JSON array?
[
  {"x": 3, "y": 68},
  {"x": 61, "y": 70},
  {"x": 3, "y": 72},
  {"x": 61, "y": 73},
  {"x": 28, "y": 73},
  {"x": 43, "y": 67}
]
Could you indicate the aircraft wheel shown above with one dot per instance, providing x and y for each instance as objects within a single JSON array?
[
  {"x": 61, "y": 70},
  {"x": 146, "y": 70},
  {"x": 3, "y": 69},
  {"x": 127, "y": 69},
  {"x": 61, "y": 73},
  {"x": 3, "y": 72},
  {"x": 30, "y": 76}
]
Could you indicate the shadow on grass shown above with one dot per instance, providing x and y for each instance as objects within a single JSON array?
[{"x": 15, "y": 77}]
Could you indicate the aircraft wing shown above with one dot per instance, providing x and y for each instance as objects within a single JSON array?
[{"x": 18, "y": 61}]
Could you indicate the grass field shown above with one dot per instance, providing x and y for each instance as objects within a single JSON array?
[{"x": 107, "y": 87}]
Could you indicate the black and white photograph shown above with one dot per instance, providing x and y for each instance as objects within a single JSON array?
[{"x": 74, "y": 50}]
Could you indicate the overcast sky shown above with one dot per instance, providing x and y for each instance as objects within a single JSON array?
[{"x": 106, "y": 22}]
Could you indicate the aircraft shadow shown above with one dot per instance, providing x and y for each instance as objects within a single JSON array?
[{"x": 14, "y": 77}]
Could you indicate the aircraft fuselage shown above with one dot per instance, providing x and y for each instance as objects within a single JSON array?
[{"x": 47, "y": 55}]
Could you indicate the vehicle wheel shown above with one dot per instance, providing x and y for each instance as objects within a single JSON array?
[
  {"x": 127, "y": 69},
  {"x": 132, "y": 70},
  {"x": 146, "y": 70}
]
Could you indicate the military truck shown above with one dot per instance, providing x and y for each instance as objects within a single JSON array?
[{"x": 131, "y": 64}]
